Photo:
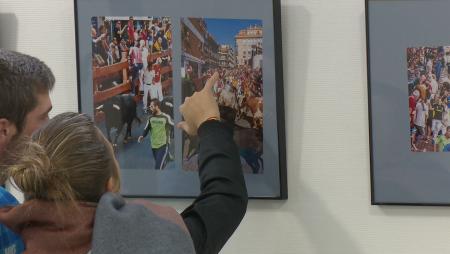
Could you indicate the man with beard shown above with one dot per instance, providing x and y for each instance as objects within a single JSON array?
[
  {"x": 160, "y": 125},
  {"x": 25, "y": 83}
]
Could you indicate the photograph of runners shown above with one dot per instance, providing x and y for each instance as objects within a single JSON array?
[
  {"x": 132, "y": 88},
  {"x": 234, "y": 49},
  {"x": 429, "y": 98}
]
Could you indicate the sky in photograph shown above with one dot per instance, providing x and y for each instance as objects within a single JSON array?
[{"x": 224, "y": 30}]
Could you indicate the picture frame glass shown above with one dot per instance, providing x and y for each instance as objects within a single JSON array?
[
  {"x": 408, "y": 78},
  {"x": 138, "y": 61}
]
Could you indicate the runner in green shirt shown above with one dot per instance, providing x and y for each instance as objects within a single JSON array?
[
  {"x": 443, "y": 142},
  {"x": 160, "y": 125}
]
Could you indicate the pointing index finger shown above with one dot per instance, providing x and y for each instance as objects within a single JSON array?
[{"x": 211, "y": 81}]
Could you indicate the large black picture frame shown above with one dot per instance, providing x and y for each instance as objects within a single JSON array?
[
  {"x": 408, "y": 167},
  {"x": 195, "y": 36}
]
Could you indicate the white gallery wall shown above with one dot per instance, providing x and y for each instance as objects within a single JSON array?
[{"x": 329, "y": 209}]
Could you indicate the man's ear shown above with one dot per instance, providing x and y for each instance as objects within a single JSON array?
[
  {"x": 7, "y": 128},
  {"x": 7, "y": 131}
]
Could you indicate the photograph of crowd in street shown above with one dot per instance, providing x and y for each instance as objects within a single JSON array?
[
  {"x": 234, "y": 49},
  {"x": 429, "y": 98},
  {"x": 132, "y": 88}
]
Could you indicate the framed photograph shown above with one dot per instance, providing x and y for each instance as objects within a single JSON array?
[
  {"x": 409, "y": 101},
  {"x": 138, "y": 60}
]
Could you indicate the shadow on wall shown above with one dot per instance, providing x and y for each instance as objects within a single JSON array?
[
  {"x": 8, "y": 31},
  {"x": 296, "y": 48},
  {"x": 323, "y": 230}
]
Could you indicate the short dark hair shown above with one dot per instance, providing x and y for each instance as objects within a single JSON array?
[
  {"x": 156, "y": 102},
  {"x": 22, "y": 77}
]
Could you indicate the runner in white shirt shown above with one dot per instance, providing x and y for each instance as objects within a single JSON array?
[
  {"x": 149, "y": 74},
  {"x": 421, "y": 117}
]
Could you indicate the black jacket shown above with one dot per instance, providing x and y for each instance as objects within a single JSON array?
[{"x": 222, "y": 203}]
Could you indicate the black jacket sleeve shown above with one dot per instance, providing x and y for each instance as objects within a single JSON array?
[{"x": 222, "y": 203}]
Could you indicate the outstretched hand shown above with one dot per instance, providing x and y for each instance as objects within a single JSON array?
[{"x": 200, "y": 107}]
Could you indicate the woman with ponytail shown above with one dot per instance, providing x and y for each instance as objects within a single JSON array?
[{"x": 63, "y": 171}]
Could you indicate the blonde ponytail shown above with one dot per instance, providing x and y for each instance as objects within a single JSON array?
[
  {"x": 34, "y": 175},
  {"x": 68, "y": 160}
]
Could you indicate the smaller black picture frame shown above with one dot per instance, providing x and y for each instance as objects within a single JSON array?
[{"x": 399, "y": 174}]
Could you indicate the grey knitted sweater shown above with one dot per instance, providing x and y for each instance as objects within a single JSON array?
[{"x": 144, "y": 228}]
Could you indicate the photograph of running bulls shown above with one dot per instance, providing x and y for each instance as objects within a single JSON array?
[
  {"x": 234, "y": 49},
  {"x": 132, "y": 88}
]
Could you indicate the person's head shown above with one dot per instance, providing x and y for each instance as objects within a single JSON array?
[
  {"x": 434, "y": 100},
  {"x": 446, "y": 85},
  {"x": 67, "y": 160},
  {"x": 103, "y": 29},
  {"x": 25, "y": 83},
  {"x": 118, "y": 24},
  {"x": 155, "y": 106},
  {"x": 447, "y": 133},
  {"x": 93, "y": 32},
  {"x": 141, "y": 43},
  {"x": 149, "y": 64},
  {"x": 423, "y": 78}
]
